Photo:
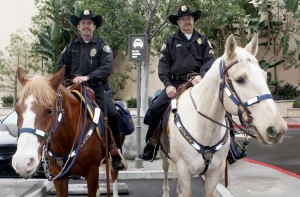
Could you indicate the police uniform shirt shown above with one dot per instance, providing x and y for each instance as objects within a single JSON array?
[
  {"x": 180, "y": 56},
  {"x": 93, "y": 59}
]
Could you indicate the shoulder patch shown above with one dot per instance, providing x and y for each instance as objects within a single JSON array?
[
  {"x": 107, "y": 49},
  {"x": 209, "y": 44},
  {"x": 64, "y": 50}
]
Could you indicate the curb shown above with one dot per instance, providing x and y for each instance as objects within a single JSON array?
[
  {"x": 40, "y": 189},
  {"x": 44, "y": 187}
]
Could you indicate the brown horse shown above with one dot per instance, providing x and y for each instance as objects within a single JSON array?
[{"x": 51, "y": 125}]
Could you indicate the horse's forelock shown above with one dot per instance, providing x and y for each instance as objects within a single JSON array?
[
  {"x": 244, "y": 56},
  {"x": 40, "y": 88}
]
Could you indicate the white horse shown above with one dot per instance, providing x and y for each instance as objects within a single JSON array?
[{"x": 236, "y": 84}]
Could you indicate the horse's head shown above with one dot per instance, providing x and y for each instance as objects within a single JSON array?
[
  {"x": 246, "y": 93},
  {"x": 36, "y": 109}
]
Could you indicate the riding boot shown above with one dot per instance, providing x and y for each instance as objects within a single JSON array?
[
  {"x": 116, "y": 156},
  {"x": 150, "y": 151}
]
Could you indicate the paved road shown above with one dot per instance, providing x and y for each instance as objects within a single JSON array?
[
  {"x": 285, "y": 155},
  {"x": 150, "y": 187}
]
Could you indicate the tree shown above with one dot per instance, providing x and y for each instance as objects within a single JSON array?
[
  {"x": 18, "y": 55},
  {"x": 53, "y": 29},
  {"x": 277, "y": 22}
]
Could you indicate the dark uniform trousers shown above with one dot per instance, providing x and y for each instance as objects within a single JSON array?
[
  {"x": 158, "y": 109},
  {"x": 113, "y": 116}
]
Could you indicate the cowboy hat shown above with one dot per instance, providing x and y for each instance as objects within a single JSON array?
[
  {"x": 184, "y": 11},
  {"x": 86, "y": 14}
]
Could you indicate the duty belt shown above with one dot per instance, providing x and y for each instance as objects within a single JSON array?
[
  {"x": 180, "y": 77},
  {"x": 94, "y": 84}
]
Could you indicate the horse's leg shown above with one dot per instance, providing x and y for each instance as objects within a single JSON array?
[
  {"x": 61, "y": 186},
  {"x": 114, "y": 178},
  {"x": 165, "y": 166},
  {"x": 114, "y": 174},
  {"x": 92, "y": 180},
  {"x": 184, "y": 178},
  {"x": 213, "y": 178}
]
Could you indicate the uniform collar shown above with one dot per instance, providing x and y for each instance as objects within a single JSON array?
[
  {"x": 79, "y": 40},
  {"x": 179, "y": 35}
]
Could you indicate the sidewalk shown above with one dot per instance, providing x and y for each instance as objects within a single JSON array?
[{"x": 247, "y": 178}]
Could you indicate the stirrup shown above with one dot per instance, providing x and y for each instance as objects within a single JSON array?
[{"x": 145, "y": 157}]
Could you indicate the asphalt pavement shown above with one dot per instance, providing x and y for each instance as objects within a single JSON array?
[{"x": 246, "y": 178}]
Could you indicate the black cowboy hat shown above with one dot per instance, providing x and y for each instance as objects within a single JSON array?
[
  {"x": 184, "y": 11},
  {"x": 86, "y": 14}
]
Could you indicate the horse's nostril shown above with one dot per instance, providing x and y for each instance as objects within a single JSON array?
[{"x": 272, "y": 132}]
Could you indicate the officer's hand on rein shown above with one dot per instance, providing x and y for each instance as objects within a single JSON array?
[
  {"x": 80, "y": 79},
  {"x": 196, "y": 79},
  {"x": 171, "y": 91}
]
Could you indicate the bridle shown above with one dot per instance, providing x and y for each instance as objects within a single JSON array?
[
  {"x": 47, "y": 134},
  {"x": 63, "y": 161},
  {"x": 227, "y": 87}
]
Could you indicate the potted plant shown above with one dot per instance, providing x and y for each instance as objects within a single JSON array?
[{"x": 284, "y": 96}]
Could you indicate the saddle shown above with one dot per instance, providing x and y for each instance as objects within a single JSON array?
[
  {"x": 161, "y": 135},
  {"x": 162, "y": 132},
  {"x": 77, "y": 90}
]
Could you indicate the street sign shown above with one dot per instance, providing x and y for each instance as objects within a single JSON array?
[{"x": 138, "y": 47}]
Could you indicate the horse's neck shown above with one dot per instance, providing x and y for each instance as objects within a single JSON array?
[
  {"x": 67, "y": 129},
  {"x": 206, "y": 99}
]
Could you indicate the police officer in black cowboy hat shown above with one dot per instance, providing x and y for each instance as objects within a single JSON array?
[
  {"x": 184, "y": 52},
  {"x": 89, "y": 59}
]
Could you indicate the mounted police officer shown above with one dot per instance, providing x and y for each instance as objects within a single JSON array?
[
  {"x": 184, "y": 52},
  {"x": 89, "y": 59}
]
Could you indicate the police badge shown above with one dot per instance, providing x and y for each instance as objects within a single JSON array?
[
  {"x": 86, "y": 12},
  {"x": 93, "y": 52},
  {"x": 184, "y": 8},
  {"x": 199, "y": 41}
]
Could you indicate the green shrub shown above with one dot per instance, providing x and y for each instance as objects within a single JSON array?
[
  {"x": 296, "y": 104},
  {"x": 131, "y": 103},
  {"x": 286, "y": 92},
  {"x": 7, "y": 101}
]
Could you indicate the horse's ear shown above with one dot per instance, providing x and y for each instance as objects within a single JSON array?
[
  {"x": 22, "y": 76},
  {"x": 252, "y": 47},
  {"x": 57, "y": 78},
  {"x": 230, "y": 47}
]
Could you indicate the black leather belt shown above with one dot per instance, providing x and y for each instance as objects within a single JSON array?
[
  {"x": 94, "y": 84},
  {"x": 180, "y": 77}
]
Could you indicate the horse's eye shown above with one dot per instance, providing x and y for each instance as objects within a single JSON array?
[
  {"x": 240, "y": 80},
  {"x": 48, "y": 112}
]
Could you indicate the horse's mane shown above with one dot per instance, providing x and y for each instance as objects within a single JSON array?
[{"x": 40, "y": 88}]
